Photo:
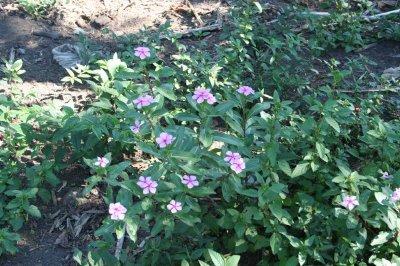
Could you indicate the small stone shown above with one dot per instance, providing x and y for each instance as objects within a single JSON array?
[
  {"x": 78, "y": 31},
  {"x": 81, "y": 23},
  {"x": 101, "y": 21},
  {"x": 21, "y": 51}
]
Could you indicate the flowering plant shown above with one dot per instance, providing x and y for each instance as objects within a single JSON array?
[{"x": 237, "y": 166}]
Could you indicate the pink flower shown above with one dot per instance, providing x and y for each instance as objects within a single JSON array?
[
  {"x": 190, "y": 181},
  {"x": 164, "y": 139},
  {"x": 174, "y": 206},
  {"x": 148, "y": 185},
  {"x": 350, "y": 202},
  {"x": 136, "y": 128},
  {"x": 246, "y": 90},
  {"x": 102, "y": 161},
  {"x": 238, "y": 165},
  {"x": 231, "y": 156},
  {"x": 202, "y": 94},
  {"x": 386, "y": 175},
  {"x": 143, "y": 101},
  {"x": 396, "y": 195},
  {"x": 117, "y": 211},
  {"x": 142, "y": 52}
]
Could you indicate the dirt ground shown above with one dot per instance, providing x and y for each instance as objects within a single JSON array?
[{"x": 50, "y": 240}]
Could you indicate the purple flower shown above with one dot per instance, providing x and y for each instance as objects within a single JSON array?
[
  {"x": 174, "y": 206},
  {"x": 117, "y": 211},
  {"x": 136, "y": 128},
  {"x": 396, "y": 195},
  {"x": 142, "y": 52},
  {"x": 148, "y": 185},
  {"x": 202, "y": 94},
  {"x": 246, "y": 90},
  {"x": 231, "y": 156},
  {"x": 143, "y": 101},
  {"x": 238, "y": 165},
  {"x": 386, "y": 175},
  {"x": 350, "y": 202},
  {"x": 190, "y": 181},
  {"x": 102, "y": 162},
  {"x": 164, "y": 139}
]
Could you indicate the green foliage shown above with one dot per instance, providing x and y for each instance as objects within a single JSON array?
[
  {"x": 305, "y": 147},
  {"x": 24, "y": 132},
  {"x": 303, "y": 153},
  {"x": 37, "y": 8},
  {"x": 12, "y": 71}
]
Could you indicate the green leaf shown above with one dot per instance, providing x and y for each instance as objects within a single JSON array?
[
  {"x": 216, "y": 258},
  {"x": 185, "y": 156},
  {"x": 322, "y": 151},
  {"x": 300, "y": 169},
  {"x": 224, "y": 107},
  {"x": 166, "y": 91},
  {"x": 77, "y": 256},
  {"x": 275, "y": 242},
  {"x": 165, "y": 72},
  {"x": 259, "y": 7},
  {"x": 131, "y": 229},
  {"x": 33, "y": 210},
  {"x": 184, "y": 263},
  {"x": 202, "y": 263},
  {"x": 381, "y": 238},
  {"x": 232, "y": 261},
  {"x": 285, "y": 167},
  {"x": 257, "y": 108},
  {"x": 332, "y": 122}
]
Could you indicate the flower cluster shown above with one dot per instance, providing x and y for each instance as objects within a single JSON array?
[
  {"x": 147, "y": 184},
  {"x": 164, "y": 139},
  {"x": 386, "y": 175},
  {"x": 190, "y": 181},
  {"x": 246, "y": 90},
  {"x": 136, "y": 128},
  {"x": 396, "y": 195},
  {"x": 102, "y": 162},
  {"x": 142, "y": 52},
  {"x": 236, "y": 161},
  {"x": 350, "y": 202},
  {"x": 202, "y": 94},
  {"x": 117, "y": 211},
  {"x": 143, "y": 101},
  {"x": 174, "y": 206}
]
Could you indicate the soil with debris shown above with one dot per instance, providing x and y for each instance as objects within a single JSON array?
[{"x": 71, "y": 219}]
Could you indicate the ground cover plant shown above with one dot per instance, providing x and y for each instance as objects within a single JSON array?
[{"x": 253, "y": 155}]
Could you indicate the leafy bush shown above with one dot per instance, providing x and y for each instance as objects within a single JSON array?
[
  {"x": 245, "y": 155},
  {"x": 24, "y": 134},
  {"x": 233, "y": 166},
  {"x": 37, "y": 8}
]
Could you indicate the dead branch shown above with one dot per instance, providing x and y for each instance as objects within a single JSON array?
[
  {"x": 371, "y": 90},
  {"x": 189, "y": 4},
  {"x": 120, "y": 243},
  {"x": 372, "y": 17}
]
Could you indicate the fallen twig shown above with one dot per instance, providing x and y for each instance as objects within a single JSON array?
[
  {"x": 120, "y": 243},
  {"x": 212, "y": 27},
  {"x": 372, "y": 17},
  {"x": 51, "y": 34},
  {"x": 371, "y": 90},
  {"x": 12, "y": 55},
  {"x": 189, "y": 4}
]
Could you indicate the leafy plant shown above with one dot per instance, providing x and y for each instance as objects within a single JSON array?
[
  {"x": 37, "y": 8},
  {"x": 12, "y": 71}
]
